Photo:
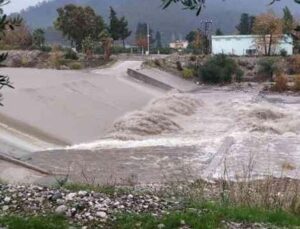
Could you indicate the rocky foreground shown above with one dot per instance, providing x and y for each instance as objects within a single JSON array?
[
  {"x": 81, "y": 207},
  {"x": 90, "y": 209}
]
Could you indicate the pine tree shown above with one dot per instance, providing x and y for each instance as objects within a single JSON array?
[
  {"x": 123, "y": 30},
  {"x": 158, "y": 40},
  {"x": 244, "y": 26},
  {"x": 288, "y": 21},
  {"x": 219, "y": 32},
  {"x": 114, "y": 25},
  {"x": 38, "y": 37}
]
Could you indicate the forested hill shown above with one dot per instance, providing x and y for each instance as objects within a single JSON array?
[{"x": 173, "y": 21}]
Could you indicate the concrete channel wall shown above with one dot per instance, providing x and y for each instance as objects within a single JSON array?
[{"x": 148, "y": 80}]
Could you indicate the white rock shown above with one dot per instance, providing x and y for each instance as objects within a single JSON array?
[
  {"x": 70, "y": 196},
  {"x": 101, "y": 214},
  {"x": 5, "y": 208},
  {"x": 7, "y": 199},
  {"x": 82, "y": 193},
  {"x": 130, "y": 196},
  {"x": 61, "y": 209}
]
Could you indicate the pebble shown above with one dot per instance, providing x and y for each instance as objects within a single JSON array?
[
  {"x": 61, "y": 209},
  {"x": 80, "y": 207},
  {"x": 101, "y": 214},
  {"x": 7, "y": 199}
]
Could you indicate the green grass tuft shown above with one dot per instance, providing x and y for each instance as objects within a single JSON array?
[
  {"x": 34, "y": 222},
  {"x": 208, "y": 215}
]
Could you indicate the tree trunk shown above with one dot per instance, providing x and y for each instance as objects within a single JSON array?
[
  {"x": 123, "y": 43},
  {"x": 265, "y": 45},
  {"x": 270, "y": 45}
]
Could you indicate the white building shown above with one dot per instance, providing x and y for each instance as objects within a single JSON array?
[
  {"x": 179, "y": 44},
  {"x": 242, "y": 45}
]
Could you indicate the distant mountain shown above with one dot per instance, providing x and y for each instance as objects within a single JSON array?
[{"x": 173, "y": 22}]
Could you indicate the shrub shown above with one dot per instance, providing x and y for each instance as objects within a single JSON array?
[
  {"x": 46, "y": 49},
  {"x": 193, "y": 58},
  {"x": 267, "y": 67},
  {"x": 281, "y": 83},
  {"x": 294, "y": 64},
  {"x": 239, "y": 75},
  {"x": 297, "y": 83},
  {"x": 187, "y": 73},
  {"x": 283, "y": 53},
  {"x": 70, "y": 54},
  {"x": 56, "y": 59},
  {"x": 179, "y": 66},
  {"x": 157, "y": 63},
  {"x": 75, "y": 66},
  {"x": 220, "y": 69}
]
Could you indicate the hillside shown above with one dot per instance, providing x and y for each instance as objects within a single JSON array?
[{"x": 173, "y": 21}]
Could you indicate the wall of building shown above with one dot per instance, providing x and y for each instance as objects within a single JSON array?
[{"x": 239, "y": 44}]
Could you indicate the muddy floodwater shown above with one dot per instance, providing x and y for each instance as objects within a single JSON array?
[
  {"x": 210, "y": 133},
  {"x": 103, "y": 126}
]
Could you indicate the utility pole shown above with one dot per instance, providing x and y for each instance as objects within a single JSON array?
[
  {"x": 206, "y": 24},
  {"x": 148, "y": 38}
]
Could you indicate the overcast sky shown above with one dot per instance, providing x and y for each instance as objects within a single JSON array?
[{"x": 17, "y": 5}]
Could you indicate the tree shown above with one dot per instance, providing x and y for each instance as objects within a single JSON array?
[
  {"x": 18, "y": 38},
  {"x": 158, "y": 40},
  {"x": 77, "y": 22},
  {"x": 114, "y": 25},
  {"x": 124, "y": 31},
  {"x": 219, "y": 32},
  {"x": 88, "y": 46},
  {"x": 118, "y": 28},
  {"x": 38, "y": 37},
  {"x": 6, "y": 23},
  {"x": 141, "y": 34},
  {"x": 190, "y": 37},
  {"x": 188, "y": 4},
  {"x": 288, "y": 21},
  {"x": 269, "y": 27},
  {"x": 246, "y": 24},
  {"x": 195, "y": 39},
  {"x": 106, "y": 42},
  {"x": 198, "y": 4}
]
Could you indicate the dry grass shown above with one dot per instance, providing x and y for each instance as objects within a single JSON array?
[
  {"x": 297, "y": 83},
  {"x": 294, "y": 64},
  {"x": 281, "y": 83}
]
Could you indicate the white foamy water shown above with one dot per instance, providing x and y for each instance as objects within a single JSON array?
[{"x": 201, "y": 120}]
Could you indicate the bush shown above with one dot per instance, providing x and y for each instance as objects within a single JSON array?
[
  {"x": 75, "y": 66},
  {"x": 281, "y": 83},
  {"x": 220, "y": 69},
  {"x": 46, "y": 49},
  {"x": 297, "y": 83},
  {"x": 187, "y": 73},
  {"x": 70, "y": 54},
  {"x": 193, "y": 58},
  {"x": 239, "y": 75},
  {"x": 283, "y": 53},
  {"x": 179, "y": 66},
  {"x": 267, "y": 67},
  {"x": 294, "y": 64},
  {"x": 157, "y": 63}
]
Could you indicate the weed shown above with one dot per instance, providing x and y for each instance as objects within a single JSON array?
[
  {"x": 34, "y": 222},
  {"x": 187, "y": 73},
  {"x": 75, "y": 66},
  {"x": 297, "y": 83}
]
